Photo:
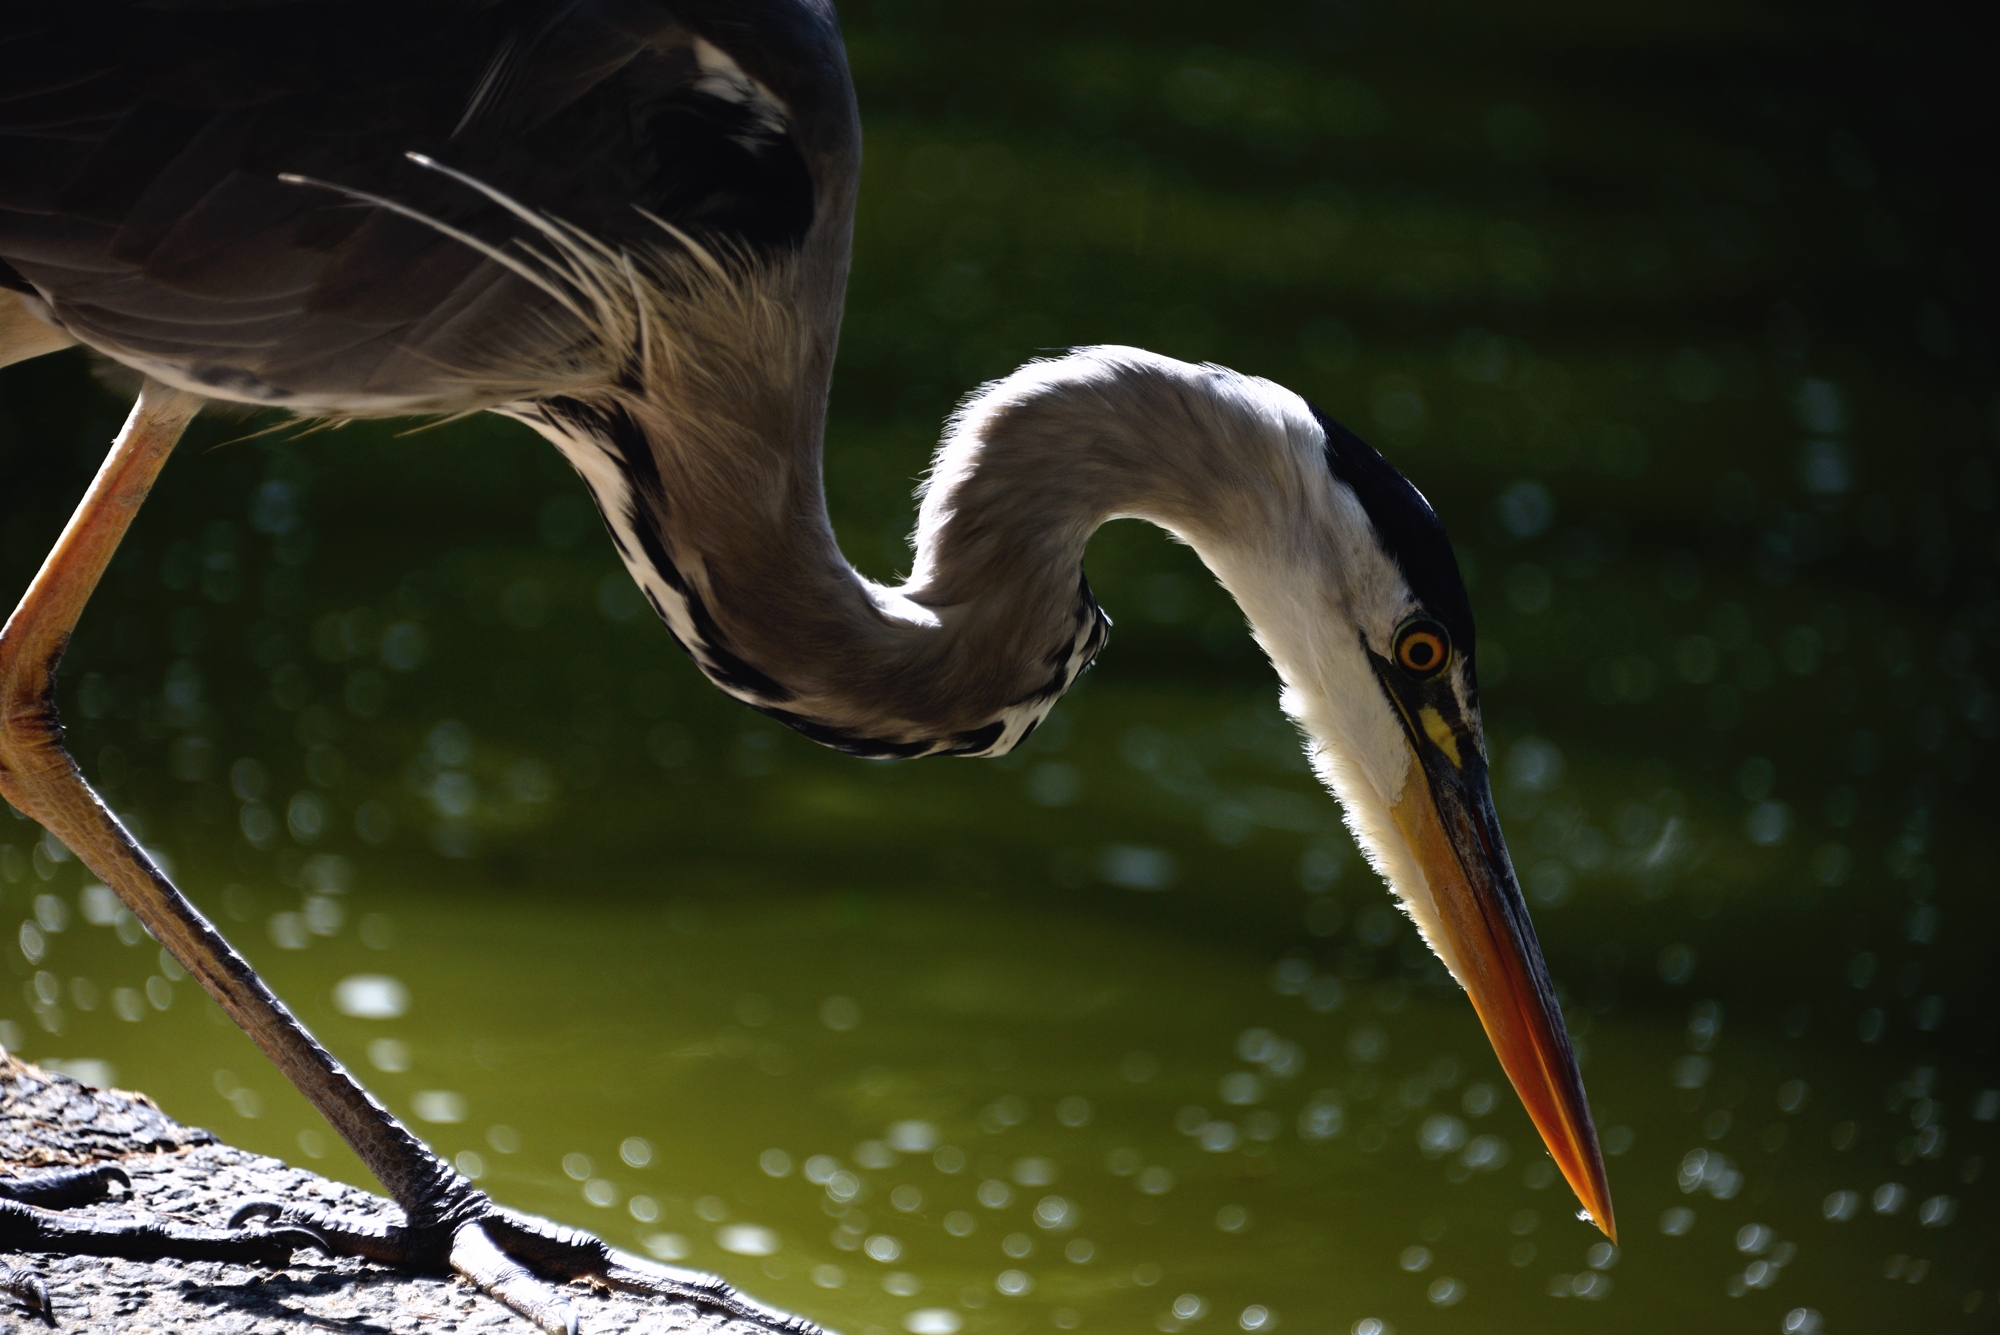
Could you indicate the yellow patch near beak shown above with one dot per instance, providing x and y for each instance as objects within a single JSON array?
[{"x": 1440, "y": 732}]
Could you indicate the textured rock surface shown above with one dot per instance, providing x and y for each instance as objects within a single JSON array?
[{"x": 185, "y": 1173}]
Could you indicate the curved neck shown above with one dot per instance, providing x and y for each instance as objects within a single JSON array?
[{"x": 730, "y": 541}]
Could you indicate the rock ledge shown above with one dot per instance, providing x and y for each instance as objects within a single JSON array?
[{"x": 50, "y": 1120}]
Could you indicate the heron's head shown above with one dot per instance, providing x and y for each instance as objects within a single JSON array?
[
  {"x": 1385, "y": 687},
  {"x": 1352, "y": 588}
]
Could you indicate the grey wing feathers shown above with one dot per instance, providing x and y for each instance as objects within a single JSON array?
[{"x": 142, "y": 146}]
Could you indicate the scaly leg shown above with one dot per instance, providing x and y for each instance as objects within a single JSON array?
[{"x": 449, "y": 1224}]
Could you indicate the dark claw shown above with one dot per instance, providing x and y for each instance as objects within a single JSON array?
[
  {"x": 260, "y": 1209},
  {"x": 62, "y": 1188},
  {"x": 296, "y": 1237},
  {"x": 270, "y": 1222},
  {"x": 27, "y": 1286}
]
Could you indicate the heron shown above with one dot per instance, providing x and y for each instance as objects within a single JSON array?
[{"x": 627, "y": 224}]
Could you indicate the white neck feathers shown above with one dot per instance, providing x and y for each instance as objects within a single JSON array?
[{"x": 995, "y": 620}]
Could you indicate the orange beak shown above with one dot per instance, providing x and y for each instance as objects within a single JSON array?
[{"x": 1483, "y": 934}]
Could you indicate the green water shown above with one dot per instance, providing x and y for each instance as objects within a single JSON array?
[{"x": 1671, "y": 314}]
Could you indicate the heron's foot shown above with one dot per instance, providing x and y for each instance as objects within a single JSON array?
[{"x": 519, "y": 1260}]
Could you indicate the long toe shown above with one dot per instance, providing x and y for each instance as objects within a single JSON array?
[
  {"x": 474, "y": 1255},
  {"x": 391, "y": 1244},
  {"x": 28, "y": 1228},
  {"x": 635, "y": 1274},
  {"x": 553, "y": 1249},
  {"x": 62, "y": 1188}
]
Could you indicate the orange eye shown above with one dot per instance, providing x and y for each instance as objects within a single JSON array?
[{"x": 1422, "y": 649}]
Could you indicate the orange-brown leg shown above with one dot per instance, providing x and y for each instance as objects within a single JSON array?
[
  {"x": 450, "y": 1224},
  {"x": 38, "y": 776}
]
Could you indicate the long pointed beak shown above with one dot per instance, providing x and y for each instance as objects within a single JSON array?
[{"x": 1446, "y": 815}]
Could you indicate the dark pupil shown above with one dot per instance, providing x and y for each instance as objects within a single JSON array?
[{"x": 1420, "y": 651}]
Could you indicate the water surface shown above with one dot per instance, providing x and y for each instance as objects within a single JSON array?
[{"x": 1119, "y": 1033}]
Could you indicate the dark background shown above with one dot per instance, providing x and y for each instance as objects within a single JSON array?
[{"x": 1681, "y": 315}]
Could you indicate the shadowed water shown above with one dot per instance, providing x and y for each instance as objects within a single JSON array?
[{"x": 1120, "y": 1033}]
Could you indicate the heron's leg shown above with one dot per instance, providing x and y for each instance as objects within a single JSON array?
[
  {"x": 448, "y": 1223},
  {"x": 38, "y": 776}
]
